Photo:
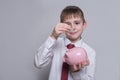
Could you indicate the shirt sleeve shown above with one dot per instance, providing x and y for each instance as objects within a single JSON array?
[
  {"x": 86, "y": 73},
  {"x": 44, "y": 54}
]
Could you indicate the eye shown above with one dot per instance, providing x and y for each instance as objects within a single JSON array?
[
  {"x": 68, "y": 23},
  {"x": 77, "y": 23}
]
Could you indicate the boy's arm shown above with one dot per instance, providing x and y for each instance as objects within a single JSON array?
[
  {"x": 86, "y": 73},
  {"x": 44, "y": 54}
]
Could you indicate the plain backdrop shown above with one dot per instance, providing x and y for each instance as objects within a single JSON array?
[{"x": 25, "y": 25}]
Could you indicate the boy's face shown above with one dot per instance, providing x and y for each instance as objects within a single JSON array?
[{"x": 77, "y": 26}]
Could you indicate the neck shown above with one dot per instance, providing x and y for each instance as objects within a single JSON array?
[{"x": 75, "y": 40}]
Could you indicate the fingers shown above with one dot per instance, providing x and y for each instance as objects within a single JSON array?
[
  {"x": 59, "y": 29},
  {"x": 62, "y": 27},
  {"x": 76, "y": 68},
  {"x": 85, "y": 63},
  {"x": 79, "y": 66}
]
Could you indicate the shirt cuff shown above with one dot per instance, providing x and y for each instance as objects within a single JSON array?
[
  {"x": 49, "y": 42},
  {"x": 76, "y": 75},
  {"x": 79, "y": 74}
]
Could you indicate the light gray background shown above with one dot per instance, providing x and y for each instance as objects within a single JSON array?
[{"x": 25, "y": 24}]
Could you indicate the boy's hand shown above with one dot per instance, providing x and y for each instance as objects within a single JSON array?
[
  {"x": 59, "y": 29},
  {"x": 75, "y": 68}
]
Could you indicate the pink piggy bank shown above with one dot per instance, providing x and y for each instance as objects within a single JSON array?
[{"x": 75, "y": 56}]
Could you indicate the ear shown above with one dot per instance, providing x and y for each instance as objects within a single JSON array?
[{"x": 84, "y": 25}]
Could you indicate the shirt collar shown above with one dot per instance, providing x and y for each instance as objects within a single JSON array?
[{"x": 77, "y": 44}]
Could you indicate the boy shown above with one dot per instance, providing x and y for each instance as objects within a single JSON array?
[{"x": 72, "y": 23}]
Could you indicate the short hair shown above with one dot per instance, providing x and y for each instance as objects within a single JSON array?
[{"x": 70, "y": 11}]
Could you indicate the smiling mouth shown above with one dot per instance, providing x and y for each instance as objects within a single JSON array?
[{"x": 72, "y": 33}]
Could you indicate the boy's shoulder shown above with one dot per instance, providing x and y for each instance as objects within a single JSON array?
[{"x": 88, "y": 48}]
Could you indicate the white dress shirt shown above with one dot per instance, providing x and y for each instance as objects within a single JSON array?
[{"x": 52, "y": 51}]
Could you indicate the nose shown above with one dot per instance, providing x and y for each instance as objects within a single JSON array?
[{"x": 72, "y": 28}]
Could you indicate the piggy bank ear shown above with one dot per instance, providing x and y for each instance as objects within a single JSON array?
[
  {"x": 67, "y": 50},
  {"x": 63, "y": 59},
  {"x": 65, "y": 56}
]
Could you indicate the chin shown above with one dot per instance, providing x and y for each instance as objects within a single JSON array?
[{"x": 74, "y": 38}]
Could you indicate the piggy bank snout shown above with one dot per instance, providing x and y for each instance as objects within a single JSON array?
[{"x": 65, "y": 57}]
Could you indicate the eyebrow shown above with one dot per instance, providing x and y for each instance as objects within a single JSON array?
[
  {"x": 67, "y": 23},
  {"x": 78, "y": 21},
  {"x": 74, "y": 21}
]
